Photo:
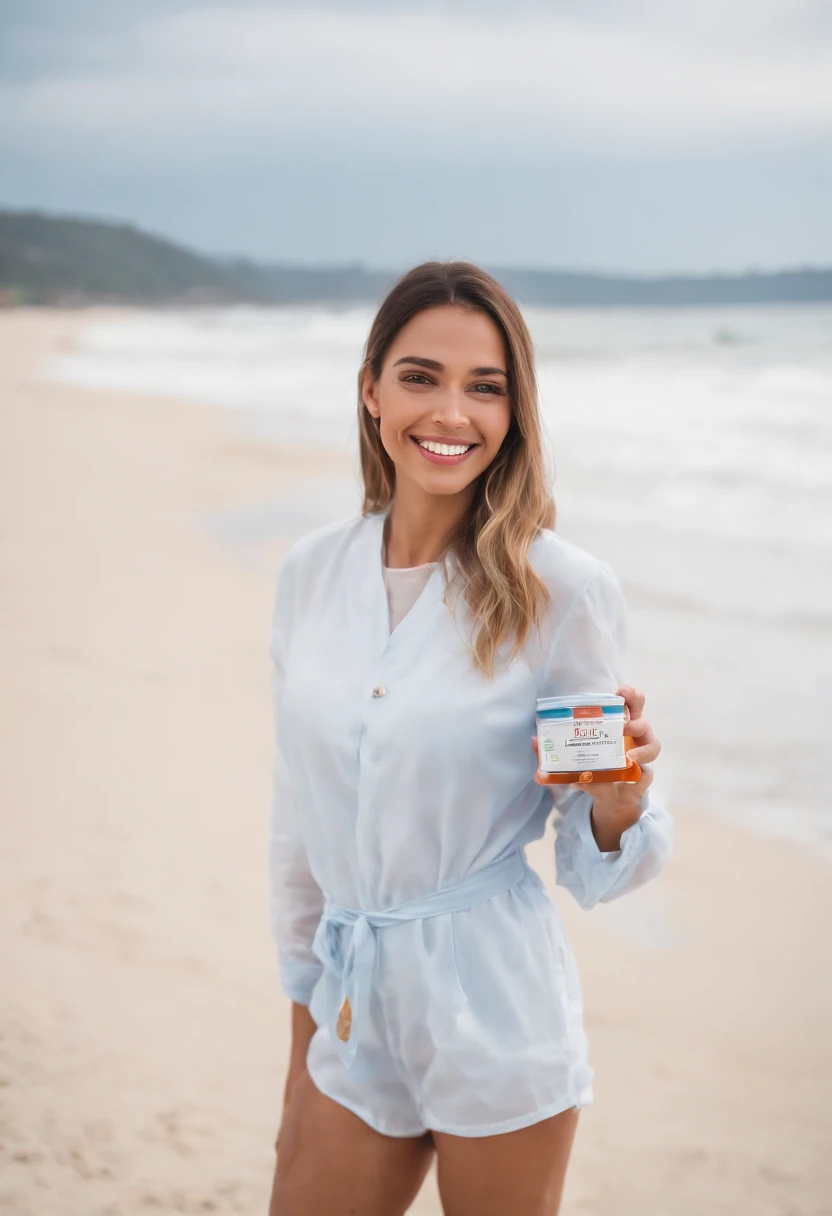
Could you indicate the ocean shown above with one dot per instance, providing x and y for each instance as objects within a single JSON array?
[{"x": 693, "y": 451}]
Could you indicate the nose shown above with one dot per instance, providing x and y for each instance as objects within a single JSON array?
[{"x": 449, "y": 409}]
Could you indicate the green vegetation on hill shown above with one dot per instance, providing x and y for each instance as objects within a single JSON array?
[
  {"x": 57, "y": 260},
  {"x": 45, "y": 259}
]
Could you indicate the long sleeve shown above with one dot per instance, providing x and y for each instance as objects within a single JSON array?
[
  {"x": 296, "y": 899},
  {"x": 595, "y": 877},
  {"x": 587, "y": 657}
]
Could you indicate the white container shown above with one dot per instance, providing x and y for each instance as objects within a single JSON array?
[{"x": 580, "y": 733}]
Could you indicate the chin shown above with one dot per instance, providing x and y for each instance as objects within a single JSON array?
[
  {"x": 443, "y": 481},
  {"x": 444, "y": 489}
]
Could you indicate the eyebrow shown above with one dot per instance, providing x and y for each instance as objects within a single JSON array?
[{"x": 440, "y": 367}]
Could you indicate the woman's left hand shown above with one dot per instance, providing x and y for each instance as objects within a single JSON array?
[{"x": 615, "y": 804}]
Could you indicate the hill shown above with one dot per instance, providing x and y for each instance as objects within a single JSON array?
[{"x": 48, "y": 259}]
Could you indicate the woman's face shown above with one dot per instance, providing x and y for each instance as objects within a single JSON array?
[{"x": 442, "y": 398}]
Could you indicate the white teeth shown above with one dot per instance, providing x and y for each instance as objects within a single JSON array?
[{"x": 444, "y": 449}]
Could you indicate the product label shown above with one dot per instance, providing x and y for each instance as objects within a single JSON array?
[{"x": 588, "y": 740}]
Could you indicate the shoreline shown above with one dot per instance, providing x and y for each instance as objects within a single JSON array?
[
  {"x": 695, "y": 623},
  {"x": 145, "y": 1035}
]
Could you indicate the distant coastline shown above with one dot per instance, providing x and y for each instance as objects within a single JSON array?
[{"x": 70, "y": 261}]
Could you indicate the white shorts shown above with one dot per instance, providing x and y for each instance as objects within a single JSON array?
[{"x": 498, "y": 1045}]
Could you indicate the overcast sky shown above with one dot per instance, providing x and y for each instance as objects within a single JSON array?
[{"x": 651, "y": 135}]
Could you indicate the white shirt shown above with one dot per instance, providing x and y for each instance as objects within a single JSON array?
[{"x": 401, "y": 770}]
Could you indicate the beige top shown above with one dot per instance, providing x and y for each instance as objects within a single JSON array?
[{"x": 404, "y": 586}]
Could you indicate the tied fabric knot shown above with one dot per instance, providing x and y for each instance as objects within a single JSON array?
[
  {"x": 355, "y": 966},
  {"x": 346, "y": 942}
]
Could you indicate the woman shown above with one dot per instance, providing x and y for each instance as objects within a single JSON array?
[{"x": 436, "y": 1003}]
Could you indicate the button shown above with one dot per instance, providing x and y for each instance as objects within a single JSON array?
[{"x": 379, "y": 690}]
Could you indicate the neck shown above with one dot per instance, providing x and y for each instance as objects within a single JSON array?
[{"x": 419, "y": 524}]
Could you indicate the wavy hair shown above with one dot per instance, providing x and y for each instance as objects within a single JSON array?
[{"x": 513, "y": 498}]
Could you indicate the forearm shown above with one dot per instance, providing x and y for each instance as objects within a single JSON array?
[
  {"x": 607, "y": 827},
  {"x": 303, "y": 1028}
]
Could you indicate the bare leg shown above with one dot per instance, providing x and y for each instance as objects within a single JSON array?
[
  {"x": 330, "y": 1163},
  {"x": 519, "y": 1172}
]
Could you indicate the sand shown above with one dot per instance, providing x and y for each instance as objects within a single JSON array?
[{"x": 143, "y": 1035}]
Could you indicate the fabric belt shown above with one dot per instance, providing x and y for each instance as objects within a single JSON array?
[{"x": 355, "y": 964}]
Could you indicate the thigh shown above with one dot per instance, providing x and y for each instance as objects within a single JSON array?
[
  {"x": 520, "y": 1172},
  {"x": 331, "y": 1163}
]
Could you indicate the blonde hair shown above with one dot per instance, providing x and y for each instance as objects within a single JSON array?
[{"x": 513, "y": 499}]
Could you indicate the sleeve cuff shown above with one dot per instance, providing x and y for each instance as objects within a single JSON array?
[
  {"x": 593, "y": 876},
  {"x": 297, "y": 979},
  {"x": 588, "y": 836},
  {"x": 629, "y": 839}
]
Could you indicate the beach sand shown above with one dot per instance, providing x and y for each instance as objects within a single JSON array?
[{"x": 143, "y": 1036}]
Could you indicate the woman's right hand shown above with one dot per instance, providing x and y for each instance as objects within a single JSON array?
[{"x": 303, "y": 1028}]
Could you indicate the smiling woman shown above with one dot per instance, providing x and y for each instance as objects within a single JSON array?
[
  {"x": 447, "y": 415},
  {"x": 437, "y": 1004},
  {"x": 476, "y": 390}
]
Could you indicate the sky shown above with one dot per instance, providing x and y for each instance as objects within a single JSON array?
[{"x": 641, "y": 136}]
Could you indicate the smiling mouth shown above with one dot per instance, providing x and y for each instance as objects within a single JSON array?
[{"x": 444, "y": 453}]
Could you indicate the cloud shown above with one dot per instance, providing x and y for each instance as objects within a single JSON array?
[
  {"x": 613, "y": 134},
  {"x": 456, "y": 81}
]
